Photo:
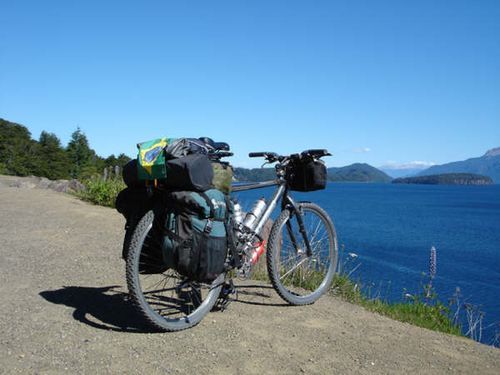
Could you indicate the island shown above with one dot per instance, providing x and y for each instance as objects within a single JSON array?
[{"x": 446, "y": 179}]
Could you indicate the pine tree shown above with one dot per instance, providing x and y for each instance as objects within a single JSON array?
[
  {"x": 52, "y": 160},
  {"x": 17, "y": 149},
  {"x": 81, "y": 157}
]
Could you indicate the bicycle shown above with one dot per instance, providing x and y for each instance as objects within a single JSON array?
[{"x": 302, "y": 253}]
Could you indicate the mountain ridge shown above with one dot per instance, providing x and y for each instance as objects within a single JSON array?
[
  {"x": 486, "y": 165},
  {"x": 357, "y": 172}
]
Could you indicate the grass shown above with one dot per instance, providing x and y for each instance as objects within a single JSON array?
[{"x": 422, "y": 311}]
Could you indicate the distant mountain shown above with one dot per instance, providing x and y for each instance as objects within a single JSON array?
[
  {"x": 486, "y": 165},
  {"x": 446, "y": 179},
  {"x": 351, "y": 173},
  {"x": 254, "y": 175},
  {"x": 357, "y": 173},
  {"x": 408, "y": 169},
  {"x": 398, "y": 172}
]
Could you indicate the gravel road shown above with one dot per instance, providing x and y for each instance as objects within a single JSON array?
[{"x": 64, "y": 309}]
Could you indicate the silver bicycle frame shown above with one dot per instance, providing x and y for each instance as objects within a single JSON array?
[{"x": 270, "y": 208}]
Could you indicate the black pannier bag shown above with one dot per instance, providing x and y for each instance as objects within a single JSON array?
[
  {"x": 129, "y": 174},
  {"x": 191, "y": 172},
  {"x": 306, "y": 174},
  {"x": 196, "y": 237},
  {"x": 133, "y": 203},
  {"x": 185, "y": 146}
]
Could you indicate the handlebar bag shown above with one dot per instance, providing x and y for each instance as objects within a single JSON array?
[
  {"x": 195, "y": 243},
  {"x": 307, "y": 175}
]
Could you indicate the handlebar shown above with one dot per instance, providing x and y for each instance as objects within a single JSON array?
[
  {"x": 262, "y": 154},
  {"x": 272, "y": 157}
]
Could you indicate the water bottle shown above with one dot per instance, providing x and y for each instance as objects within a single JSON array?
[
  {"x": 255, "y": 214},
  {"x": 237, "y": 212}
]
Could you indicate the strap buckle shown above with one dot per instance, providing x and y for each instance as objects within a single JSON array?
[{"x": 208, "y": 226}]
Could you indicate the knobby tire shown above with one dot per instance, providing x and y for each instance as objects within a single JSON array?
[
  {"x": 291, "y": 276},
  {"x": 157, "y": 312}
]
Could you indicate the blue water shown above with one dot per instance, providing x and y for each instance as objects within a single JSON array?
[{"x": 392, "y": 228}]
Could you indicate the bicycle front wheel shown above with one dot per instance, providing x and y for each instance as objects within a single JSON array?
[
  {"x": 167, "y": 300},
  {"x": 298, "y": 278}
]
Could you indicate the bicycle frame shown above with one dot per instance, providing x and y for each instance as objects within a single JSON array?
[{"x": 287, "y": 203}]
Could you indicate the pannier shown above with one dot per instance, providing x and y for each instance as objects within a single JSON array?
[
  {"x": 185, "y": 146},
  {"x": 196, "y": 237},
  {"x": 306, "y": 174},
  {"x": 133, "y": 202},
  {"x": 190, "y": 216},
  {"x": 191, "y": 172},
  {"x": 130, "y": 174},
  {"x": 178, "y": 163}
]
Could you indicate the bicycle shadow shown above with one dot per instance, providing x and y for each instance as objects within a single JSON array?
[
  {"x": 100, "y": 307},
  {"x": 108, "y": 309},
  {"x": 257, "y": 295}
]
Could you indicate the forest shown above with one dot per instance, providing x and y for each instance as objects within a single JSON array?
[{"x": 21, "y": 155}]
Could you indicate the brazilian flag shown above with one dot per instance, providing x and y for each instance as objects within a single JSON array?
[{"x": 151, "y": 159}]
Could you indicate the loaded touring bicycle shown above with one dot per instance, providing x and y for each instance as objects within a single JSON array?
[{"x": 186, "y": 238}]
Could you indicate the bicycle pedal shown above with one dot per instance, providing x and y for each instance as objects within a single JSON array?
[{"x": 227, "y": 295}]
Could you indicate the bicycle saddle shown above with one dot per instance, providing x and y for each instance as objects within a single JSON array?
[{"x": 218, "y": 146}]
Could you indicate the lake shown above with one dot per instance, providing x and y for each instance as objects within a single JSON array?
[{"x": 391, "y": 228}]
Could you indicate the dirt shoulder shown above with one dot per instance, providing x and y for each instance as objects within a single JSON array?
[{"x": 64, "y": 309}]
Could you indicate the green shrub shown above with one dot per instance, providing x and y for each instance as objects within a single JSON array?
[
  {"x": 3, "y": 168},
  {"x": 101, "y": 192}
]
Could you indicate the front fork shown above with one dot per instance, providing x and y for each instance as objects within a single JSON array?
[{"x": 295, "y": 210}]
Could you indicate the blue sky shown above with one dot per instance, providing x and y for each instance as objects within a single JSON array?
[{"x": 372, "y": 81}]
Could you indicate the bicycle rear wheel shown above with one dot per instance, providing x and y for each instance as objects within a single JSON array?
[
  {"x": 167, "y": 300},
  {"x": 300, "y": 279}
]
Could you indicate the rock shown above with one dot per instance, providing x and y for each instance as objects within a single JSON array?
[{"x": 32, "y": 182}]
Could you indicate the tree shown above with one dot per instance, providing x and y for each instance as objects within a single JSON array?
[
  {"x": 81, "y": 157},
  {"x": 120, "y": 160},
  {"x": 52, "y": 160},
  {"x": 17, "y": 149}
]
